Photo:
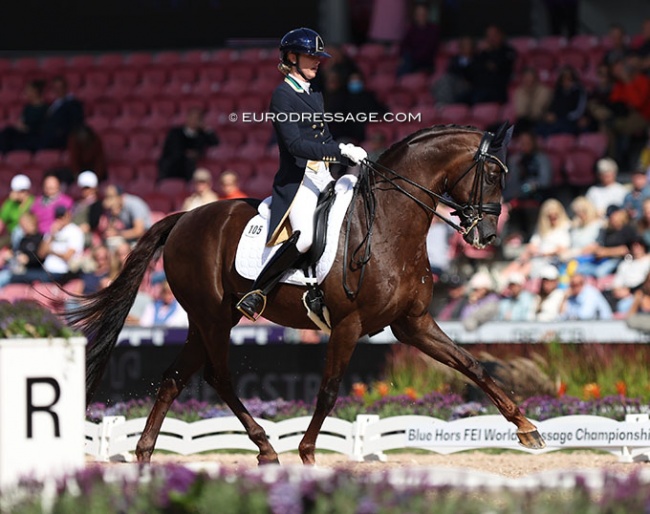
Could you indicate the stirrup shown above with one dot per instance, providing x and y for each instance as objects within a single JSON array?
[{"x": 252, "y": 312}]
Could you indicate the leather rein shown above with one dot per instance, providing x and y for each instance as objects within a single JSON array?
[{"x": 470, "y": 214}]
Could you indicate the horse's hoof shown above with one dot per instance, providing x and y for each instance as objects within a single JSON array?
[{"x": 531, "y": 440}]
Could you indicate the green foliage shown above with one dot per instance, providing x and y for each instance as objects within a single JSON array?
[{"x": 29, "y": 319}]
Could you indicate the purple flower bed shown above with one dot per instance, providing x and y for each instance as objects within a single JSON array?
[{"x": 438, "y": 405}]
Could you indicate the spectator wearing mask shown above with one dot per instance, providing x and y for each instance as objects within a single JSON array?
[
  {"x": 567, "y": 107},
  {"x": 203, "y": 193},
  {"x": 456, "y": 84},
  {"x": 359, "y": 101}
]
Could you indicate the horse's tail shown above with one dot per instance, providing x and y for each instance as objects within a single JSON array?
[{"x": 101, "y": 315}]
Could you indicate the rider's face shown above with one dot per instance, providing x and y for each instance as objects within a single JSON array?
[{"x": 309, "y": 65}]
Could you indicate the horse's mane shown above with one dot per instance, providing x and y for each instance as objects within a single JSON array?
[{"x": 435, "y": 130}]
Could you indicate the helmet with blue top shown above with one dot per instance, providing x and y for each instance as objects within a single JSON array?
[{"x": 302, "y": 41}]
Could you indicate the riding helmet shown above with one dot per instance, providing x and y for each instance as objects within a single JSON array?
[{"x": 302, "y": 41}]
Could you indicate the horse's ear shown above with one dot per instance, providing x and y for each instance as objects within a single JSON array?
[{"x": 501, "y": 140}]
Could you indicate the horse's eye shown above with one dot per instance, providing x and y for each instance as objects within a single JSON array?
[{"x": 492, "y": 177}]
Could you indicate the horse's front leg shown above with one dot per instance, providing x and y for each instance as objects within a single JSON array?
[
  {"x": 339, "y": 351},
  {"x": 191, "y": 358},
  {"x": 424, "y": 333}
]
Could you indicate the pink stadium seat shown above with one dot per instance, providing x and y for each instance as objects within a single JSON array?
[
  {"x": 135, "y": 108},
  {"x": 156, "y": 216},
  {"x": 399, "y": 99},
  {"x": 47, "y": 159},
  {"x": 13, "y": 82},
  {"x": 454, "y": 113},
  {"x": 5, "y": 65},
  {"x": 48, "y": 294},
  {"x": 128, "y": 77},
  {"x": 559, "y": 142},
  {"x": 523, "y": 44},
  {"x": 260, "y": 134},
  {"x": 382, "y": 83},
  {"x": 572, "y": 57},
  {"x": 541, "y": 60},
  {"x": 371, "y": 51},
  {"x": 25, "y": 64},
  {"x": 554, "y": 44},
  {"x": 141, "y": 186},
  {"x": 114, "y": 143},
  {"x": 13, "y": 292},
  {"x": 109, "y": 62},
  {"x": 97, "y": 78},
  {"x": 138, "y": 60},
  {"x": 579, "y": 166},
  {"x": 120, "y": 174},
  {"x": 146, "y": 171},
  {"x": 172, "y": 187},
  {"x": 158, "y": 201},
  {"x": 125, "y": 123},
  {"x": 163, "y": 107},
  {"x": 267, "y": 166},
  {"x": 584, "y": 41},
  {"x": 74, "y": 78},
  {"x": 169, "y": 58},
  {"x": 233, "y": 87},
  {"x": 485, "y": 114},
  {"x": 259, "y": 186},
  {"x": 18, "y": 159},
  {"x": 251, "y": 103},
  {"x": 106, "y": 107},
  {"x": 197, "y": 56},
  {"x": 231, "y": 136},
  {"x": 99, "y": 123},
  {"x": 214, "y": 72},
  {"x": 54, "y": 64},
  {"x": 81, "y": 63},
  {"x": 222, "y": 152},
  {"x": 241, "y": 72},
  {"x": 557, "y": 165},
  {"x": 183, "y": 74},
  {"x": 595, "y": 141},
  {"x": 413, "y": 81},
  {"x": 252, "y": 151},
  {"x": 142, "y": 139},
  {"x": 154, "y": 75}
]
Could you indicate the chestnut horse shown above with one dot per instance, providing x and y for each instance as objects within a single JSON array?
[{"x": 390, "y": 286}]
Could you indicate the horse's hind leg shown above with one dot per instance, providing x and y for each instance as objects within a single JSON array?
[
  {"x": 218, "y": 344},
  {"x": 425, "y": 334},
  {"x": 191, "y": 358}
]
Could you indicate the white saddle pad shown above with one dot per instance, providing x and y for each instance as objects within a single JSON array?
[{"x": 253, "y": 254}]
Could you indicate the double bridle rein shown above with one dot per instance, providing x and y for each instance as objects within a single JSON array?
[{"x": 470, "y": 214}]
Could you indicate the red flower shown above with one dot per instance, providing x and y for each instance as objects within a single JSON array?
[
  {"x": 359, "y": 389},
  {"x": 621, "y": 388},
  {"x": 561, "y": 389},
  {"x": 382, "y": 388},
  {"x": 411, "y": 393}
]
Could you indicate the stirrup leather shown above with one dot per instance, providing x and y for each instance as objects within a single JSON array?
[{"x": 252, "y": 315}]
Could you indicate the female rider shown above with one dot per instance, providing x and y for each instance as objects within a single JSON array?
[{"x": 306, "y": 149}]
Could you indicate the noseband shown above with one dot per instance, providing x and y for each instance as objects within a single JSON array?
[{"x": 470, "y": 213}]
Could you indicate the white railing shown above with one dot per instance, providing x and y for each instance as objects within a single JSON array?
[{"x": 369, "y": 436}]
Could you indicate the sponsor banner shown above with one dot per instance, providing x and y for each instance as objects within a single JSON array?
[{"x": 496, "y": 432}]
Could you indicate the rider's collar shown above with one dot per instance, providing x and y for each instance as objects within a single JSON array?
[{"x": 299, "y": 86}]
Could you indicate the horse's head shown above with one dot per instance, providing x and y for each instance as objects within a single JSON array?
[{"x": 475, "y": 180}]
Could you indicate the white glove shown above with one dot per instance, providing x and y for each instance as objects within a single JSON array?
[{"x": 355, "y": 153}]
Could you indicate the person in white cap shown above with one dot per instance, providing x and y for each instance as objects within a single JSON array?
[
  {"x": 517, "y": 304},
  {"x": 203, "y": 193},
  {"x": 608, "y": 191},
  {"x": 550, "y": 297},
  {"x": 88, "y": 210},
  {"x": 19, "y": 201}
]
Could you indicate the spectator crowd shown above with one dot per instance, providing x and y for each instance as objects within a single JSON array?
[{"x": 576, "y": 224}]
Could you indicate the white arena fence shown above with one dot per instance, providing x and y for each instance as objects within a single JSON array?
[{"x": 369, "y": 436}]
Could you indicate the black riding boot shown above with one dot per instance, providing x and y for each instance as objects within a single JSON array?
[{"x": 253, "y": 303}]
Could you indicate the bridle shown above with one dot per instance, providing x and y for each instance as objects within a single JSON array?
[{"x": 470, "y": 213}]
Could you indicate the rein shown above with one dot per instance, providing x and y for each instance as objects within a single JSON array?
[{"x": 470, "y": 213}]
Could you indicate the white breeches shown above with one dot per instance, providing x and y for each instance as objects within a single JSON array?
[{"x": 301, "y": 215}]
